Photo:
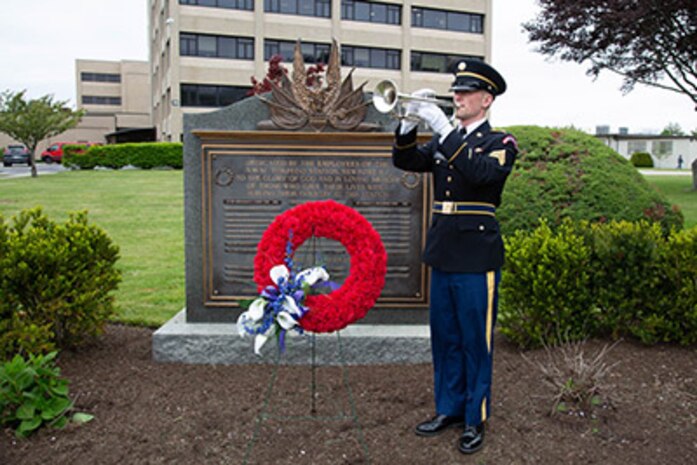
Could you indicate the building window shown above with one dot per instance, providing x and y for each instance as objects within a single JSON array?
[
  {"x": 231, "y": 4},
  {"x": 662, "y": 148},
  {"x": 312, "y": 52},
  {"x": 100, "y": 100},
  {"x": 634, "y": 146},
  {"x": 201, "y": 95},
  {"x": 371, "y": 12},
  {"x": 447, "y": 20},
  {"x": 200, "y": 45},
  {"x": 436, "y": 62},
  {"x": 365, "y": 57},
  {"x": 100, "y": 77},
  {"x": 318, "y": 8}
]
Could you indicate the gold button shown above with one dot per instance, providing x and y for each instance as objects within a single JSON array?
[
  {"x": 450, "y": 166},
  {"x": 450, "y": 179},
  {"x": 481, "y": 227},
  {"x": 447, "y": 193},
  {"x": 437, "y": 162}
]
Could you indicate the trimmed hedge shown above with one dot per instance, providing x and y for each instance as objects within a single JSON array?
[
  {"x": 620, "y": 279},
  {"x": 565, "y": 173},
  {"x": 56, "y": 282},
  {"x": 146, "y": 155},
  {"x": 641, "y": 160}
]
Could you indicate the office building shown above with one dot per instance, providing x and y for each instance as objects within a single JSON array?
[{"x": 203, "y": 53}]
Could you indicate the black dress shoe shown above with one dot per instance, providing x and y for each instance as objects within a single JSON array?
[
  {"x": 472, "y": 439},
  {"x": 437, "y": 425}
]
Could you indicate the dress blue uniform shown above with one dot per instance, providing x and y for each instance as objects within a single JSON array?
[{"x": 464, "y": 250}]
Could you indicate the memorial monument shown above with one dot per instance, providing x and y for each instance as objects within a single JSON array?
[{"x": 249, "y": 162}]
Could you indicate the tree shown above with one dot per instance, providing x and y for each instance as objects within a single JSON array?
[
  {"x": 673, "y": 129},
  {"x": 652, "y": 42},
  {"x": 31, "y": 121}
]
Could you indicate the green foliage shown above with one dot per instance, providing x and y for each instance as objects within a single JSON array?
[
  {"x": 145, "y": 155},
  {"x": 565, "y": 173},
  {"x": 70, "y": 150},
  {"x": 641, "y": 160},
  {"x": 625, "y": 277},
  {"x": 545, "y": 287},
  {"x": 56, "y": 282},
  {"x": 32, "y": 394},
  {"x": 619, "y": 279},
  {"x": 31, "y": 121}
]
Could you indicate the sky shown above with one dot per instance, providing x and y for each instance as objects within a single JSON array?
[{"x": 41, "y": 39}]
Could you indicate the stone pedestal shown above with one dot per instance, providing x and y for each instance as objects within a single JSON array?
[{"x": 219, "y": 343}]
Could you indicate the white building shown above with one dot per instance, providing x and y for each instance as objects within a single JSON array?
[{"x": 664, "y": 150}]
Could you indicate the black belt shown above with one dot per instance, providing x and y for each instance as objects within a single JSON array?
[{"x": 464, "y": 208}]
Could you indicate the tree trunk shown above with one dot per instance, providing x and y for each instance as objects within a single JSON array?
[
  {"x": 32, "y": 161},
  {"x": 694, "y": 175}
]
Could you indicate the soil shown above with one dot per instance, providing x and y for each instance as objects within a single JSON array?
[{"x": 150, "y": 413}]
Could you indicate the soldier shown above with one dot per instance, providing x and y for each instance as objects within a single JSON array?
[{"x": 470, "y": 164}]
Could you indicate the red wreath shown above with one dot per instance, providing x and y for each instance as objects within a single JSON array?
[{"x": 336, "y": 310}]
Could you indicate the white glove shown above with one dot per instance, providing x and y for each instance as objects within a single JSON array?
[{"x": 434, "y": 117}]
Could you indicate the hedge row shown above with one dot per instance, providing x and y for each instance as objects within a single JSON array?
[
  {"x": 618, "y": 279},
  {"x": 56, "y": 282},
  {"x": 141, "y": 155}
]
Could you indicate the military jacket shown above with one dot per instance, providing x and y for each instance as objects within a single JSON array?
[{"x": 469, "y": 171}]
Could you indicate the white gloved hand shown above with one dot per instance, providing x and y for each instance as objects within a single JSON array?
[
  {"x": 406, "y": 125},
  {"x": 435, "y": 118},
  {"x": 411, "y": 109}
]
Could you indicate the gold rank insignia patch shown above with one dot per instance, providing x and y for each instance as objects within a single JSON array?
[{"x": 500, "y": 155}]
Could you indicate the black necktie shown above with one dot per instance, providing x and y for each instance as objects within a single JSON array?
[{"x": 462, "y": 131}]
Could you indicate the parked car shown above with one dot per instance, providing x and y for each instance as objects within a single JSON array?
[
  {"x": 54, "y": 153},
  {"x": 15, "y": 153}
]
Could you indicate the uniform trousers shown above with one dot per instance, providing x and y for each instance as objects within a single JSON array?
[{"x": 462, "y": 318}]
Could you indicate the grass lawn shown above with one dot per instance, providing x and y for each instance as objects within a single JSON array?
[
  {"x": 142, "y": 211},
  {"x": 678, "y": 190}
]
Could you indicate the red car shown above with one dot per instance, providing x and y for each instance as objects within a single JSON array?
[{"x": 54, "y": 153}]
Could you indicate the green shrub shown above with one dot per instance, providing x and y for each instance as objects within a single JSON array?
[
  {"x": 625, "y": 278},
  {"x": 641, "y": 160},
  {"x": 565, "y": 173},
  {"x": 32, "y": 394},
  {"x": 674, "y": 317},
  {"x": 56, "y": 282},
  {"x": 141, "y": 155},
  {"x": 618, "y": 279},
  {"x": 545, "y": 287}
]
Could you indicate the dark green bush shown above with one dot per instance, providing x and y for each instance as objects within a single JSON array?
[
  {"x": 56, "y": 282},
  {"x": 642, "y": 160},
  {"x": 625, "y": 273},
  {"x": 618, "y": 279},
  {"x": 565, "y": 173},
  {"x": 145, "y": 155},
  {"x": 545, "y": 288}
]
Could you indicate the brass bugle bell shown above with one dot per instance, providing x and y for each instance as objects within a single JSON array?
[{"x": 387, "y": 98}]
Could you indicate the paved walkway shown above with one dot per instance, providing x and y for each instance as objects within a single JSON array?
[{"x": 666, "y": 172}]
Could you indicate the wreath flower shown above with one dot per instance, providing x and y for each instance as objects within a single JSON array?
[
  {"x": 280, "y": 305},
  {"x": 368, "y": 261}
]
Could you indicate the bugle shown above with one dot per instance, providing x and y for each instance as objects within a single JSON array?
[{"x": 388, "y": 99}]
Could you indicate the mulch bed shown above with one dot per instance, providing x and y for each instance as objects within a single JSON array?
[{"x": 149, "y": 413}]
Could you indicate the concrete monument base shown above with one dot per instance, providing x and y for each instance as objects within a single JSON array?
[{"x": 359, "y": 344}]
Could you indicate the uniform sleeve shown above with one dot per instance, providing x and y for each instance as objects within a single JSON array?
[
  {"x": 492, "y": 165},
  {"x": 409, "y": 156}
]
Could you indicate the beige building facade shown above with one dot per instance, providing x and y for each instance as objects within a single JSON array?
[
  {"x": 203, "y": 53},
  {"x": 115, "y": 96}
]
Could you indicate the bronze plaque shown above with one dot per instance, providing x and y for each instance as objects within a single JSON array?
[{"x": 248, "y": 178}]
